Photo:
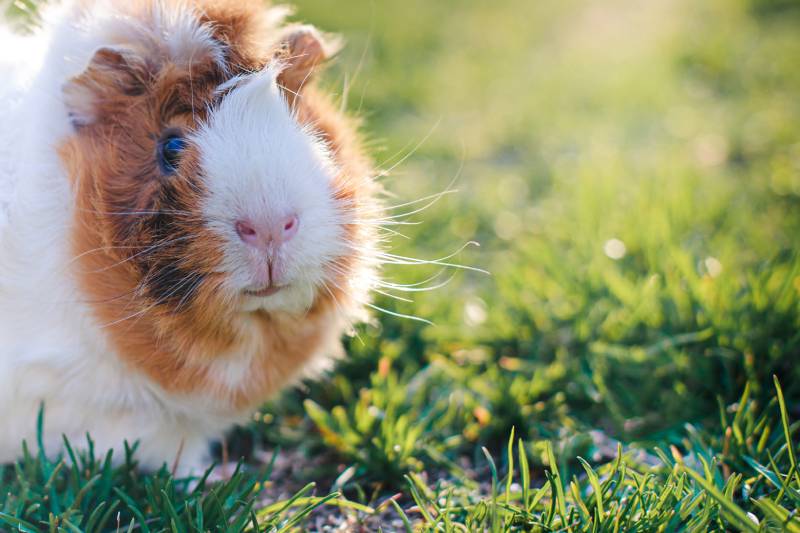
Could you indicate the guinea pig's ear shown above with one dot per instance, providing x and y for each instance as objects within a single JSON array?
[
  {"x": 113, "y": 73},
  {"x": 302, "y": 49}
]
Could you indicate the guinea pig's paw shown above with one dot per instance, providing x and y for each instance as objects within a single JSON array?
[
  {"x": 302, "y": 48},
  {"x": 193, "y": 467}
]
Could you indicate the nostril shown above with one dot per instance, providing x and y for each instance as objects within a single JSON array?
[
  {"x": 246, "y": 232},
  {"x": 290, "y": 225}
]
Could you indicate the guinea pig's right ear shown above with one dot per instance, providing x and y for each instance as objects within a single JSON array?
[
  {"x": 302, "y": 49},
  {"x": 113, "y": 75}
]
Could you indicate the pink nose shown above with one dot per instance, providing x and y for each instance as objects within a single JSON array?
[{"x": 265, "y": 234}]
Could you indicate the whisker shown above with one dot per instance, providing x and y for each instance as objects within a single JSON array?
[
  {"x": 423, "y": 199},
  {"x": 398, "y": 315},
  {"x": 402, "y": 288},
  {"x": 389, "y": 295},
  {"x": 159, "y": 301},
  {"x": 147, "y": 250},
  {"x": 190, "y": 292},
  {"x": 139, "y": 212},
  {"x": 409, "y": 154}
]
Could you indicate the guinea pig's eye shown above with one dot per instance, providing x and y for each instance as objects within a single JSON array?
[{"x": 170, "y": 149}]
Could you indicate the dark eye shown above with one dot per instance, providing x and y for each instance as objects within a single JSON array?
[{"x": 169, "y": 153}]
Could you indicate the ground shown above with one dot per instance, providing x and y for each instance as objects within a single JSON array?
[{"x": 631, "y": 171}]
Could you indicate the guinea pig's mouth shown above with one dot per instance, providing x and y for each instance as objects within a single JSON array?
[{"x": 264, "y": 292}]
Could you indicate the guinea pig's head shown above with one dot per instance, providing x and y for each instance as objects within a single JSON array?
[{"x": 210, "y": 177}]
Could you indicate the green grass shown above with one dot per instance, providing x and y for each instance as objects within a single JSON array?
[{"x": 632, "y": 172}]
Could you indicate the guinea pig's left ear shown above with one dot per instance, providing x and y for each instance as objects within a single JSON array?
[
  {"x": 302, "y": 49},
  {"x": 114, "y": 75}
]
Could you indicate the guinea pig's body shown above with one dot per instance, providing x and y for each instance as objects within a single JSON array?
[{"x": 184, "y": 223}]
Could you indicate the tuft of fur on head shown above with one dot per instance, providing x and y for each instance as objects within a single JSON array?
[{"x": 157, "y": 253}]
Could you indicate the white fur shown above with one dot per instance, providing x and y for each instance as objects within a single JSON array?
[
  {"x": 52, "y": 351},
  {"x": 259, "y": 163}
]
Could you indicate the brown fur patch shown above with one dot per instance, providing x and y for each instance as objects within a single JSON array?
[{"x": 145, "y": 260}]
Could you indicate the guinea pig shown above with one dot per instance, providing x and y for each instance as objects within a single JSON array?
[{"x": 186, "y": 222}]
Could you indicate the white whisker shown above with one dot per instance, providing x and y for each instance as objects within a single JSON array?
[{"x": 398, "y": 315}]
